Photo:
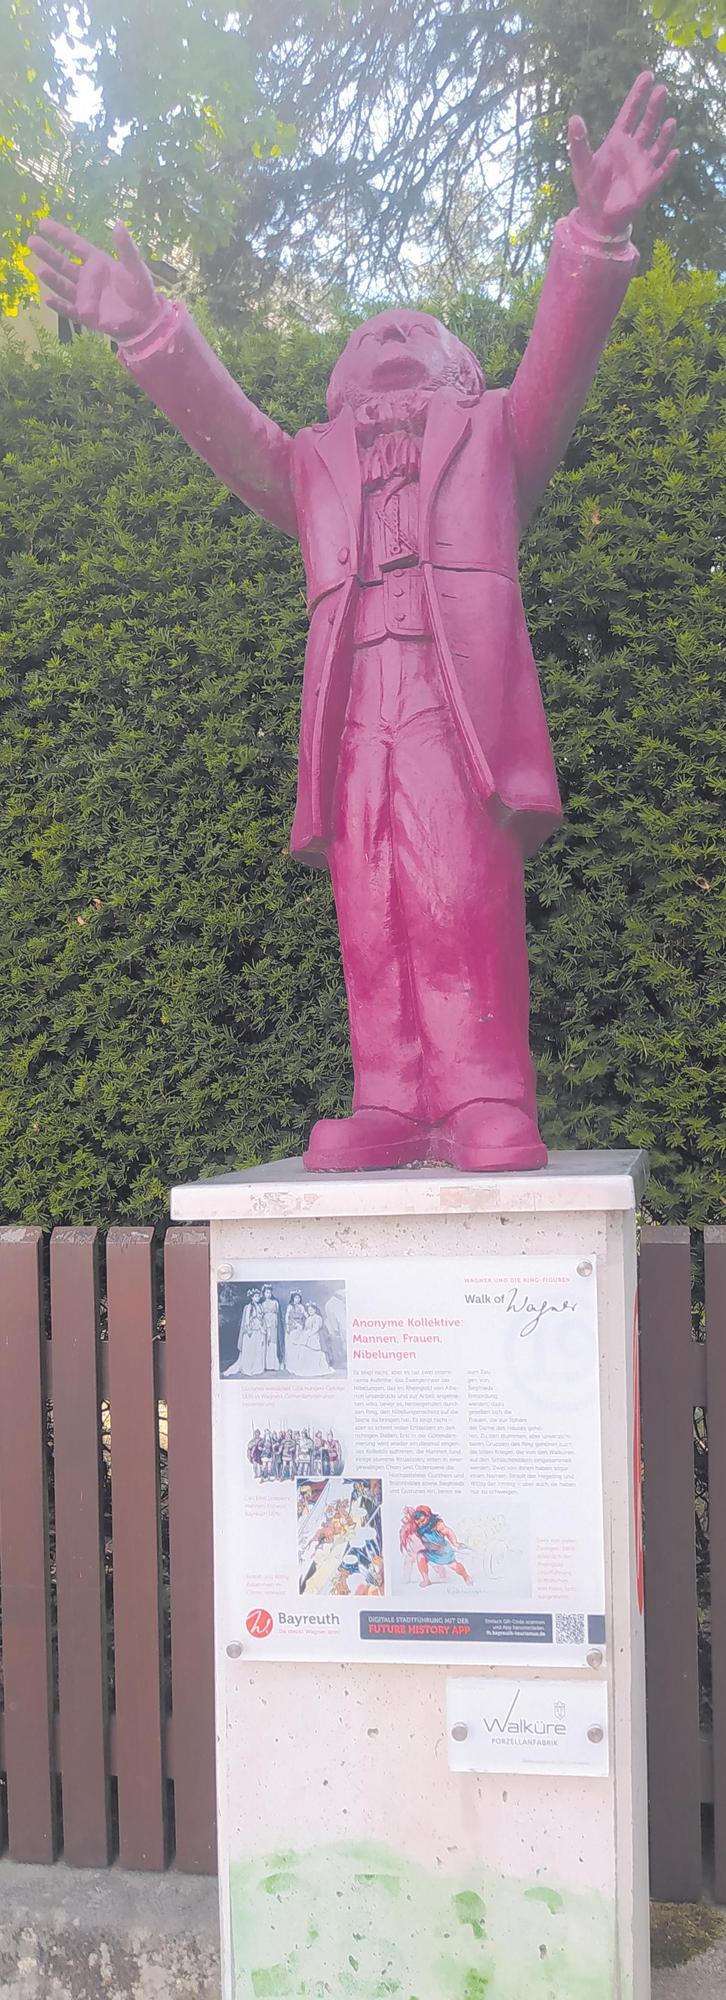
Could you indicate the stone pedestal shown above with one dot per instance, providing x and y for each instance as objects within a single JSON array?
[{"x": 363, "y": 1849}]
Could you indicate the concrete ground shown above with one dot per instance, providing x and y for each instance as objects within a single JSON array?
[
  {"x": 701, "y": 1978},
  {"x": 88, "y": 1934},
  {"x": 72, "y": 1934}
]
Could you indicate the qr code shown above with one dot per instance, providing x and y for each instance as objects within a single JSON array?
[{"x": 570, "y": 1628}]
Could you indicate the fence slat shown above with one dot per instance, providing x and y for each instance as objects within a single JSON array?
[
  {"x": 186, "y": 1292},
  {"x": 670, "y": 1565},
  {"x": 715, "y": 1263},
  {"x": 82, "y": 1671},
  {"x": 24, "y": 1567},
  {"x": 136, "y": 1549}
]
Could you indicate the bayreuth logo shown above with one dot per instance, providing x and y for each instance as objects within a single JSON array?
[{"x": 259, "y": 1623}]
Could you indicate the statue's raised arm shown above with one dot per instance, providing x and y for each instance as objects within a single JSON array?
[
  {"x": 590, "y": 267},
  {"x": 165, "y": 351}
]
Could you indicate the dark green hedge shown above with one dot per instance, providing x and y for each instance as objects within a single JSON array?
[{"x": 170, "y": 989}]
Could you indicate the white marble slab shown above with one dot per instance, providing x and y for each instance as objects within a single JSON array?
[{"x": 600, "y": 1181}]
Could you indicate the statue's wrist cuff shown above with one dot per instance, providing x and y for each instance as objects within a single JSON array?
[
  {"x": 604, "y": 239},
  {"x": 158, "y": 330}
]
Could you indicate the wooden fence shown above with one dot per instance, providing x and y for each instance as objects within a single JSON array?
[
  {"x": 107, "y": 1715},
  {"x": 107, "y": 1724},
  {"x": 684, "y": 1454}
]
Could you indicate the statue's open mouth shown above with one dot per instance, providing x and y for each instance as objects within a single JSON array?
[{"x": 398, "y": 366}]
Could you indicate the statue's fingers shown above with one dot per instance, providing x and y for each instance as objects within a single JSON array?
[
  {"x": 662, "y": 144},
  {"x": 630, "y": 111},
  {"x": 128, "y": 250},
  {"x": 56, "y": 260},
  {"x": 63, "y": 287},
  {"x": 652, "y": 112},
  {"x": 670, "y": 161},
  {"x": 579, "y": 145},
  {"x": 661, "y": 174},
  {"x": 61, "y": 306},
  {"x": 69, "y": 238}
]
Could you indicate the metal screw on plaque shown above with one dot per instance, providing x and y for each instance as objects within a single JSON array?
[
  {"x": 460, "y": 1732},
  {"x": 595, "y": 1735},
  {"x": 594, "y": 1659},
  {"x": 234, "y": 1652},
  {"x": 224, "y": 1270}
]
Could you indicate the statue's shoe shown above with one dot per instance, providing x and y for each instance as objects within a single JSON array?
[
  {"x": 489, "y": 1138},
  {"x": 366, "y": 1139}
]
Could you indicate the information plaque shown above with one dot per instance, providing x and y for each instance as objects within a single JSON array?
[
  {"x": 409, "y": 1460},
  {"x": 535, "y": 1727}
]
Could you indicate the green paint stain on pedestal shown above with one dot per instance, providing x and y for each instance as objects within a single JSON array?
[
  {"x": 470, "y": 1910},
  {"x": 277, "y": 1885},
  {"x": 551, "y": 1897},
  {"x": 357, "y": 1921}
]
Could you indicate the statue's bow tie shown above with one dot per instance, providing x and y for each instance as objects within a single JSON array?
[{"x": 390, "y": 455}]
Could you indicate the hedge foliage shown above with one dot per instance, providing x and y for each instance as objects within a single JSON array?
[{"x": 171, "y": 996}]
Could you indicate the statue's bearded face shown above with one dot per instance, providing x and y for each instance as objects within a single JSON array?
[{"x": 400, "y": 355}]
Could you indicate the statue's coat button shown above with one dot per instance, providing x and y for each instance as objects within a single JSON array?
[{"x": 343, "y": 555}]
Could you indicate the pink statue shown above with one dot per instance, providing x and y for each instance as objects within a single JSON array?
[{"x": 426, "y": 773}]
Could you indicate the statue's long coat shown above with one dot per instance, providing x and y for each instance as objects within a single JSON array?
[{"x": 484, "y": 465}]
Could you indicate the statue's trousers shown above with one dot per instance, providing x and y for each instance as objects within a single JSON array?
[{"x": 429, "y": 893}]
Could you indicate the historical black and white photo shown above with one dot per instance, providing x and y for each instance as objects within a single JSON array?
[{"x": 295, "y": 1330}]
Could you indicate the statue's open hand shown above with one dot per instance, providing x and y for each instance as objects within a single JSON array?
[
  {"x": 630, "y": 165},
  {"x": 113, "y": 295}
]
